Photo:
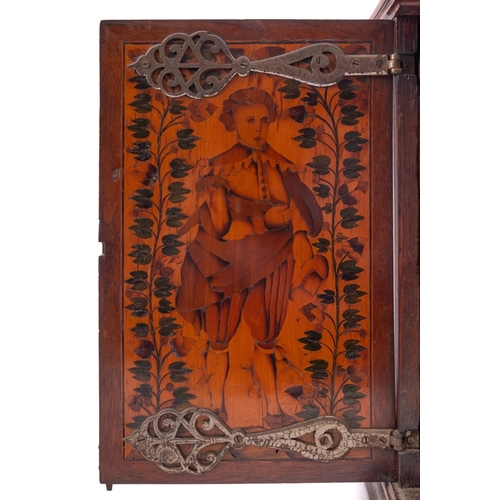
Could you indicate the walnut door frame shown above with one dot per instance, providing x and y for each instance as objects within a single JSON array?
[{"x": 382, "y": 466}]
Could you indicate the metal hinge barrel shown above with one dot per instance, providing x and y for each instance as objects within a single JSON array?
[
  {"x": 408, "y": 440},
  {"x": 401, "y": 64}
]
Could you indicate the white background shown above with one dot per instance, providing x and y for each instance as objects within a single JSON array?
[{"x": 49, "y": 104}]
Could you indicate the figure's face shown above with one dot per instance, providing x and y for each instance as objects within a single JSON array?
[{"x": 252, "y": 124}]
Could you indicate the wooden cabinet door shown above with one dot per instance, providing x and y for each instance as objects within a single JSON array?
[{"x": 246, "y": 283}]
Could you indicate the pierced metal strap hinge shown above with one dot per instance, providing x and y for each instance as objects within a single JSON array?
[
  {"x": 195, "y": 440},
  {"x": 201, "y": 64}
]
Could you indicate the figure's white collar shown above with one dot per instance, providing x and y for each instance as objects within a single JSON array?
[{"x": 258, "y": 157}]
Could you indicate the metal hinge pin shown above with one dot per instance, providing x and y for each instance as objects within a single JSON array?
[{"x": 395, "y": 66}]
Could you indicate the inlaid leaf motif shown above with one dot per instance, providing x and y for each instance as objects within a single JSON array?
[
  {"x": 186, "y": 139},
  {"x": 181, "y": 396},
  {"x": 323, "y": 245},
  {"x": 354, "y": 140},
  {"x": 306, "y": 138},
  {"x": 168, "y": 327},
  {"x": 340, "y": 185},
  {"x": 140, "y": 128},
  {"x": 138, "y": 280},
  {"x": 179, "y": 168},
  {"x": 141, "y": 254},
  {"x": 290, "y": 89},
  {"x": 161, "y": 132},
  {"x": 141, "y": 150},
  {"x": 327, "y": 208},
  {"x": 178, "y": 371},
  {"x": 163, "y": 288},
  {"x": 350, "y": 115},
  {"x": 137, "y": 422},
  {"x": 141, "y": 82},
  {"x": 312, "y": 340},
  {"x": 350, "y": 218},
  {"x": 309, "y": 411},
  {"x": 142, "y": 103},
  {"x": 322, "y": 191},
  {"x": 352, "y": 168},
  {"x": 145, "y": 390},
  {"x": 347, "y": 84},
  {"x": 318, "y": 369},
  {"x": 175, "y": 216},
  {"x": 171, "y": 243},
  {"x": 352, "y": 318},
  {"x": 177, "y": 107},
  {"x": 353, "y": 418},
  {"x": 353, "y": 349},
  {"x": 138, "y": 306},
  {"x": 311, "y": 98},
  {"x": 320, "y": 164},
  {"x": 142, "y": 227},
  {"x": 351, "y": 394},
  {"x": 165, "y": 306},
  {"x": 327, "y": 297},
  {"x": 141, "y": 370},
  {"x": 142, "y": 197},
  {"x": 349, "y": 270},
  {"x": 177, "y": 192},
  {"x": 141, "y": 330},
  {"x": 164, "y": 282},
  {"x": 146, "y": 193},
  {"x": 348, "y": 95},
  {"x": 353, "y": 294}
]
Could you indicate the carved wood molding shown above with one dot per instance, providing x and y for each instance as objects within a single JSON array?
[
  {"x": 377, "y": 491},
  {"x": 389, "y": 9},
  {"x": 390, "y": 491}
]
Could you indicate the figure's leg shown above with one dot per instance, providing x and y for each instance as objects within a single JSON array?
[
  {"x": 264, "y": 362},
  {"x": 217, "y": 371},
  {"x": 265, "y": 312},
  {"x": 221, "y": 322}
]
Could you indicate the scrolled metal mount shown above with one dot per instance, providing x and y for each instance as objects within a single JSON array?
[
  {"x": 195, "y": 440},
  {"x": 201, "y": 64}
]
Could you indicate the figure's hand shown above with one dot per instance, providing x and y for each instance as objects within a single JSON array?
[
  {"x": 279, "y": 216},
  {"x": 215, "y": 195}
]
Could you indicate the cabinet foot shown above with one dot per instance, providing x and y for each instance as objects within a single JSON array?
[{"x": 109, "y": 487}]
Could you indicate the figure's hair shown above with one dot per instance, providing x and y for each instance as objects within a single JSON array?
[{"x": 251, "y": 95}]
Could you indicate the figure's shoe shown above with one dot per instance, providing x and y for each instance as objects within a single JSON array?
[
  {"x": 222, "y": 414},
  {"x": 288, "y": 420}
]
